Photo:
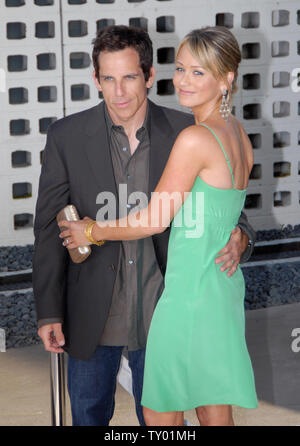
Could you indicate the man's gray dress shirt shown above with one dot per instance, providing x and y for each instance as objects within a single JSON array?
[{"x": 139, "y": 282}]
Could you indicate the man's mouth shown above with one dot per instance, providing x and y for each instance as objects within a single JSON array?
[{"x": 121, "y": 104}]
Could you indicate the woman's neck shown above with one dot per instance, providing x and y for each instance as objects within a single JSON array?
[{"x": 206, "y": 111}]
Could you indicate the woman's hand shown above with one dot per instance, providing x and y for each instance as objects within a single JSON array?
[{"x": 73, "y": 233}]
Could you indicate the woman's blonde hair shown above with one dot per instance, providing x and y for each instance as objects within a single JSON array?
[{"x": 217, "y": 50}]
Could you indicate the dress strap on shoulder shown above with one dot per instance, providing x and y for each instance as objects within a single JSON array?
[{"x": 223, "y": 150}]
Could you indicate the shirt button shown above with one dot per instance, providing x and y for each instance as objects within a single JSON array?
[
  {"x": 130, "y": 262},
  {"x": 124, "y": 149},
  {"x": 128, "y": 176},
  {"x": 128, "y": 205}
]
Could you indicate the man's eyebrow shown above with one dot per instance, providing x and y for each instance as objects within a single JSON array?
[
  {"x": 132, "y": 74},
  {"x": 127, "y": 74}
]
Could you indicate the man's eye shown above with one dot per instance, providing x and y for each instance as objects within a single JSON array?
[
  {"x": 107, "y": 78},
  {"x": 130, "y": 76}
]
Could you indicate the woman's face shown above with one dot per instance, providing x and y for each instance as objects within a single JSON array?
[{"x": 194, "y": 85}]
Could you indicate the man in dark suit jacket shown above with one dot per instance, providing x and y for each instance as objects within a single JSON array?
[{"x": 94, "y": 309}]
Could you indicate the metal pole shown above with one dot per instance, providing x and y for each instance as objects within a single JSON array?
[{"x": 57, "y": 389}]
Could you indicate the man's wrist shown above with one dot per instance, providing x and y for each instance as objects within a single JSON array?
[
  {"x": 248, "y": 242},
  {"x": 47, "y": 321},
  {"x": 244, "y": 240},
  {"x": 248, "y": 246}
]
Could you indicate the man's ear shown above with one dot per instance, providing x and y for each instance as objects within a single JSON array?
[
  {"x": 96, "y": 81},
  {"x": 151, "y": 79}
]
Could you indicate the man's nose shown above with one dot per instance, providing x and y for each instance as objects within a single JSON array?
[{"x": 119, "y": 88}]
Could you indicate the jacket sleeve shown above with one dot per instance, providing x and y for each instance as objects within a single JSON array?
[
  {"x": 247, "y": 228},
  {"x": 50, "y": 257}
]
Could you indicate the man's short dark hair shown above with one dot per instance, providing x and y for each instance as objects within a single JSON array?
[{"x": 119, "y": 37}]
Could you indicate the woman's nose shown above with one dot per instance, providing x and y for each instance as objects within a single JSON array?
[{"x": 184, "y": 79}]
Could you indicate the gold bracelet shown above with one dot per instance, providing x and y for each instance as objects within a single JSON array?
[{"x": 88, "y": 233}]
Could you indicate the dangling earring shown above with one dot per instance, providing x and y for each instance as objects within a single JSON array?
[{"x": 224, "y": 108}]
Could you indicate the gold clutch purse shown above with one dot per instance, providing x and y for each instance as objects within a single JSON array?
[{"x": 70, "y": 213}]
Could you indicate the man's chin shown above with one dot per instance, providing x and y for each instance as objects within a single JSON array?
[{"x": 123, "y": 112}]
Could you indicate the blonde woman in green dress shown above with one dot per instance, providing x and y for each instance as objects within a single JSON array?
[{"x": 196, "y": 355}]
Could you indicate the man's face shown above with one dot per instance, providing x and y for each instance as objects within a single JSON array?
[{"x": 122, "y": 83}]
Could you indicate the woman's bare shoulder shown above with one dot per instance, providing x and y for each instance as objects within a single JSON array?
[
  {"x": 246, "y": 143},
  {"x": 194, "y": 135},
  {"x": 241, "y": 129}
]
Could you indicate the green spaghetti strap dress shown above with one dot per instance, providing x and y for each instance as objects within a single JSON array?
[{"x": 196, "y": 351}]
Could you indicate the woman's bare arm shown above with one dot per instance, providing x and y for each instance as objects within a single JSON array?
[{"x": 185, "y": 161}]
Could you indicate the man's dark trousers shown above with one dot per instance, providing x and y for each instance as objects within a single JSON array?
[{"x": 92, "y": 385}]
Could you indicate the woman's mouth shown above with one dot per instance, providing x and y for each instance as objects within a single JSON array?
[{"x": 185, "y": 92}]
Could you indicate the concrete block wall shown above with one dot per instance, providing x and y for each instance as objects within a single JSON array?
[
  {"x": 59, "y": 82},
  {"x": 25, "y": 59}
]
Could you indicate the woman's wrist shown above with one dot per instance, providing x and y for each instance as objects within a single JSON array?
[{"x": 91, "y": 235}]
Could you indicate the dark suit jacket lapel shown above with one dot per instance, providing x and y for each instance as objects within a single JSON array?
[
  {"x": 161, "y": 140},
  {"x": 98, "y": 150}
]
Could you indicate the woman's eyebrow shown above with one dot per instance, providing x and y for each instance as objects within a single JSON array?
[{"x": 193, "y": 66}]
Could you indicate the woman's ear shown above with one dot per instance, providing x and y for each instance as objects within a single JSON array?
[
  {"x": 225, "y": 85},
  {"x": 230, "y": 77}
]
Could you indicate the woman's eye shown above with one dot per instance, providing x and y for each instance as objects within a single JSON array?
[
  {"x": 179, "y": 69},
  {"x": 198, "y": 73}
]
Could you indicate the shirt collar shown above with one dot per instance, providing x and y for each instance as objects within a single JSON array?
[{"x": 110, "y": 125}]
